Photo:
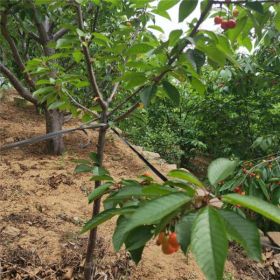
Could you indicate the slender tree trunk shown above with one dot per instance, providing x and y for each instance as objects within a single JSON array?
[
  {"x": 54, "y": 122},
  {"x": 89, "y": 268}
]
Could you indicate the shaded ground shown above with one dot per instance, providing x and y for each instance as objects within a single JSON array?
[{"x": 43, "y": 205}]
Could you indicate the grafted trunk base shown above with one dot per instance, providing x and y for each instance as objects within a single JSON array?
[{"x": 54, "y": 122}]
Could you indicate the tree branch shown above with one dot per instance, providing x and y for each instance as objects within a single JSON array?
[
  {"x": 114, "y": 91},
  {"x": 34, "y": 36},
  {"x": 126, "y": 100},
  {"x": 60, "y": 33},
  {"x": 42, "y": 30},
  {"x": 194, "y": 31},
  {"x": 25, "y": 93},
  {"x": 81, "y": 106},
  {"x": 127, "y": 113},
  {"x": 88, "y": 59},
  {"x": 17, "y": 58},
  {"x": 171, "y": 60}
]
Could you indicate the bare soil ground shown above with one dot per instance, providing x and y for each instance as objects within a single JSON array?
[{"x": 43, "y": 206}]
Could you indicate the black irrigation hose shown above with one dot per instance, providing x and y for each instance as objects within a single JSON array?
[
  {"x": 48, "y": 136},
  {"x": 51, "y": 135},
  {"x": 156, "y": 171}
]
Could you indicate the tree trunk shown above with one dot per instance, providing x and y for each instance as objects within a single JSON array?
[
  {"x": 89, "y": 268},
  {"x": 54, "y": 122}
]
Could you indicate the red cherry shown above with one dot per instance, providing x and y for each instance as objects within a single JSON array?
[
  {"x": 237, "y": 190},
  {"x": 167, "y": 248},
  {"x": 231, "y": 23},
  {"x": 224, "y": 24},
  {"x": 173, "y": 240},
  {"x": 218, "y": 20}
]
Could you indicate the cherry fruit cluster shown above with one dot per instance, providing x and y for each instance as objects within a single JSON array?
[
  {"x": 225, "y": 24},
  {"x": 168, "y": 243}
]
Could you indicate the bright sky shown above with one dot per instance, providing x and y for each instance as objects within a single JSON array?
[{"x": 168, "y": 25}]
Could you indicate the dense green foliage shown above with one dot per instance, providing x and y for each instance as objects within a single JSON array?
[
  {"x": 259, "y": 178},
  {"x": 147, "y": 208},
  {"x": 238, "y": 107}
]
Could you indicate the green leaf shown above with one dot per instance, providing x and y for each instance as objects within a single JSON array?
[
  {"x": 101, "y": 178},
  {"x": 138, "y": 237},
  {"x": 43, "y": 91},
  {"x": 232, "y": 184},
  {"x": 57, "y": 55},
  {"x": 156, "y": 27},
  {"x": 243, "y": 231},
  {"x": 156, "y": 209},
  {"x": 258, "y": 205},
  {"x": 174, "y": 36},
  {"x": 166, "y": 4},
  {"x": 98, "y": 192},
  {"x": 263, "y": 187},
  {"x": 233, "y": 33},
  {"x": 134, "y": 79},
  {"x": 196, "y": 57},
  {"x": 94, "y": 157},
  {"x": 213, "y": 53},
  {"x": 255, "y": 6},
  {"x": 43, "y": 82},
  {"x": 157, "y": 190},
  {"x": 83, "y": 168},
  {"x": 126, "y": 192},
  {"x": 64, "y": 43},
  {"x": 209, "y": 243},
  {"x": 277, "y": 20},
  {"x": 131, "y": 183},
  {"x": 99, "y": 219},
  {"x": 246, "y": 42},
  {"x": 182, "y": 185},
  {"x": 104, "y": 216},
  {"x": 56, "y": 105},
  {"x": 42, "y": 2},
  {"x": 183, "y": 230},
  {"x": 101, "y": 37},
  {"x": 99, "y": 171},
  {"x": 165, "y": 221},
  {"x": 78, "y": 56},
  {"x": 161, "y": 13},
  {"x": 186, "y": 8},
  {"x": 137, "y": 3},
  {"x": 186, "y": 176},
  {"x": 151, "y": 212},
  {"x": 220, "y": 169},
  {"x": 136, "y": 254},
  {"x": 120, "y": 235},
  {"x": 275, "y": 194},
  {"x": 172, "y": 92},
  {"x": 198, "y": 85},
  {"x": 147, "y": 94},
  {"x": 139, "y": 49}
]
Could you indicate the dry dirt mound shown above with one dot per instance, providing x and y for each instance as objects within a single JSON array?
[{"x": 43, "y": 205}]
